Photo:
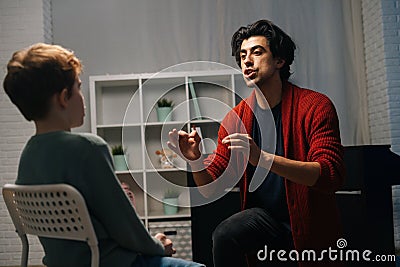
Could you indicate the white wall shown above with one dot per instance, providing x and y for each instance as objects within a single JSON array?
[{"x": 22, "y": 22}]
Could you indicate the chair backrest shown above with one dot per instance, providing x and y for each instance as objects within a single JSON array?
[{"x": 54, "y": 211}]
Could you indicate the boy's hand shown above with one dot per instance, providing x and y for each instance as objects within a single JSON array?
[{"x": 168, "y": 246}]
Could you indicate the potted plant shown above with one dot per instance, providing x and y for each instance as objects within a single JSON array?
[
  {"x": 170, "y": 201},
  {"x": 119, "y": 158},
  {"x": 164, "y": 109}
]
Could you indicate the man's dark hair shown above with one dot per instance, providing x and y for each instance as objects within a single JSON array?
[{"x": 280, "y": 44}]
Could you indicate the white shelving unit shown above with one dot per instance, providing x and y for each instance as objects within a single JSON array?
[{"x": 123, "y": 111}]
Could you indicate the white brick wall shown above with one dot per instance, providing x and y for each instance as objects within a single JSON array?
[
  {"x": 381, "y": 23},
  {"x": 22, "y": 23},
  {"x": 375, "y": 72},
  {"x": 391, "y": 34}
]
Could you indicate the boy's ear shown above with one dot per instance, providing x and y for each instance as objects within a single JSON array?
[{"x": 62, "y": 98}]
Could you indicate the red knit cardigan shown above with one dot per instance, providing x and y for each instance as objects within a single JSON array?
[{"x": 310, "y": 133}]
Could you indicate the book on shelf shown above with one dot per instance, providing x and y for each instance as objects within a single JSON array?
[{"x": 194, "y": 99}]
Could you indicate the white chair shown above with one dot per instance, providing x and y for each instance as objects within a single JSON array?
[{"x": 54, "y": 211}]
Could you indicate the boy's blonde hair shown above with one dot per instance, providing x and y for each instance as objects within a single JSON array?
[{"x": 36, "y": 73}]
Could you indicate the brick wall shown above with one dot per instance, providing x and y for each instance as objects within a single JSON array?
[
  {"x": 375, "y": 72},
  {"x": 391, "y": 37},
  {"x": 381, "y": 23},
  {"x": 22, "y": 23}
]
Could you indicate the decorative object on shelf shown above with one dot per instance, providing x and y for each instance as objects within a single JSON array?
[
  {"x": 167, "y": 157},
  {"x": 164, "y": 109},
  {"x": 119, "y": 158},
  {"x": 170, "y": 201}
]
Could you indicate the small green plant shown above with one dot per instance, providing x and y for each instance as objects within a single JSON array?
[
  {"x": 117, "y": 150},
  {"x": 163, "y": 102},
  {"x": 171, "y": 193}
]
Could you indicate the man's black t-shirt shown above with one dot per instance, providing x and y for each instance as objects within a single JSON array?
[{"x": 271, "y": 194}]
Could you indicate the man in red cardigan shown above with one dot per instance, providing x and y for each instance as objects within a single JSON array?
[{"x": 288, "y": 176}]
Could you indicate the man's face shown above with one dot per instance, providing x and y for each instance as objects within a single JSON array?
[{"x": 257, "y": 63}]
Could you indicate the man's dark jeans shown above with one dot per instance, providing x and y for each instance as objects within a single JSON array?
[{"x": 247, "y": 232}]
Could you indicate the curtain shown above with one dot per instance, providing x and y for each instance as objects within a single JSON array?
[
  {"x": 124, "y": 36},
  {"x": 357, "y": 98}
]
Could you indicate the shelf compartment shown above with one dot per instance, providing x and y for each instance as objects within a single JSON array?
[
  {"x": 158, "y": 184},
  {"x": 163, "y": 180},
  {"x": 156, "y": 137},
  {"x": 113, "y": 99},
  {"x": 156, "y": 210},
  {"x": 213, "y": 95},
  {"x": 170, "y": 88},
  {"x": 130, "y": 138}
]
